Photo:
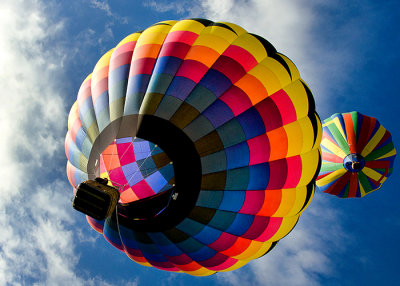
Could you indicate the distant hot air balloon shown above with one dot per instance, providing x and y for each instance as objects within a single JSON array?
[
  {"x": 357, "y": 155},
  {"x": 211, "y": 137}
]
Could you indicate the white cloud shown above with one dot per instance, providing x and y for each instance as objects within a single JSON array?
[{"x": 36, "y": 242}]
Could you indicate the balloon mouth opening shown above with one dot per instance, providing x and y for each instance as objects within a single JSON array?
[
  {"x": 354, "y": 163},
  {"x": 139, "y": 168}
]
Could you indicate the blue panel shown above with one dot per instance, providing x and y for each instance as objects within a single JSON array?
[
  {"x": 111, "y": 232},
  {"x": 203, "y": 254},
  {"x": 251, "y": 122},
  {"x": 232, "y": 201},
  {"x": 215, "y": 81},
  {"x": 80, "y": 138},
  {"x": 121, "y": 73},
  {"x": 258, "y": 177},
  {"x": 86, "y": 106},
  {"x": 101, "y": 102},
  {"x": 208, "y": 235},
  {"x": 156, "y": 181},
  {"x": 132, "y": 174},
  {"x": 180, "y": 87},
  {"x": 168, "y": 65},
  {"x": 241, "y": 224},
  {"x": 167, "y": 171},
  {"x": 124, "y": 140},
  {"x": 138, "y": 84},
  {"x": 238, "y": 155},
  {"x": 141, "y": 149},
  {"x": 218, "y": 113}
]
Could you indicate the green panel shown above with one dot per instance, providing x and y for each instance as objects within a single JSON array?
[
  {"x": 375, "y": 154},
  {"x": 201, "y": 98},
  {"x": 198, "y": 128},
  {"x": 214, "y": 162},
  {"x": 231, "y": 133},
  {"x": 167, "y": 107},
  {"x": 237, "y": 179}
]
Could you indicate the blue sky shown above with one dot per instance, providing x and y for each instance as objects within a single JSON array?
[{"x": 347, "y": 53}]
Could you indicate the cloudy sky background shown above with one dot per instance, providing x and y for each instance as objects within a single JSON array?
[{"x": 347, "y": 53}]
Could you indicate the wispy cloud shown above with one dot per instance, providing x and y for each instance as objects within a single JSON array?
[{"x": 37, "y": 243}]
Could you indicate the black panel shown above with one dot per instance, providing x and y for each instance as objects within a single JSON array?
[
  {"x": 186, "y": 163},
  {"x": 278, "y": 58},
  {"x": 223, "y": 26},
  {"x": 205, "y": 22},
  {"x": 269, "y": 48}
]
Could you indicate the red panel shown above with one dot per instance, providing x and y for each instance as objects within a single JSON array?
[
  {"x": 278, "y": 172},
  {"x": 285, "y": 106},
  {"x": 230, "y": 68},
  {"x": 259, "y": 149},
  {"x": 174, "y": 49},
  {"x": 253, "y": 202},
  {"x": 294, "y": 165},
  {"x": 270, "y": 114}
]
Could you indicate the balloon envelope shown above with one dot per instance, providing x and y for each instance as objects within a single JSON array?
[
  {"x": 212, "y": 111},
  {"x": 357, "y": 155}
]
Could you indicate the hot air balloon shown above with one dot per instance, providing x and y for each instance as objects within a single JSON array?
[
  {"x": 210, "y": 136},
  {"x": 357, "y": 155}
]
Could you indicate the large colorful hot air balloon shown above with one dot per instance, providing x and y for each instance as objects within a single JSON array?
[
  {"x": 217, "y": 115},
  {"x": 357, "y": 155}
]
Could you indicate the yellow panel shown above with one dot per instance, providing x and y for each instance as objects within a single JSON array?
[
  {"x": 373, "y": 142},
  {"x": 294, "y": 132},
  {"x": 374, "y": 175},
  {"x": 200, "y": 272},
  {"x": 152, "y": 38},
  {"x": 131, "y": 38},
  {"x": 73, "y": 115},
  {"x": 239, "y": 30},
  {"x": 262, "y": 247},
  {"x": 269, "y": 80},
  {"x": 250, "y": 251},
  {"x": 212, "y": 41},
  {"x": 253, "y": 45},
  {"x": 287, "y": 225},
  {"x": 332, "y": 147},
  {"x": 309, "y": 166},
  {"x": 308, "y": 134},
  {"x": 299, "y": 98},
  {"x": 279, "y": 71},
  {"x": 188, "y": 25},
  {"x": 301, "y": 195},
  {"x": 221, "y": 32},
  {"x": 331, "y": 177},
  {"x": 287, "y": 202},
  {"x": 293, "y": 69}
]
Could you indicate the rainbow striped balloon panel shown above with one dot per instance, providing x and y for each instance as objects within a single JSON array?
[
  {"x": 250, "y": 117},
  {"x": 356, "y": 137}
]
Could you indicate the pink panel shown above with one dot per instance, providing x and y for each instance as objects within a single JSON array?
[
  {"x": 186, "y": 37},
  {"x": 273, "y": 226},
  {"x": 253, "y": 202},
  {"x": 285, "y": 106},
  {"x": 225, "y": 241},
  {"x": 182, "y": 259},
  {"x": 246, "y": 60},
  {"x": 229, "y": 262},
  {"x": 270, "y": 114},
  {"x": 143, "y": 190},
  {"x": 125, "y": 153},
  {"x": 142, "y": 66},
  {"x": 174, "y": 49},
  {"x": 278, "y": 173},
  {"x": 193, "y": 70},
  {"x": 117, "y": 175},
  {"x": 257, "y": 227},
  {"x": 294, "y": 165},
  {"x": 259, "y": 149},
  {"x": 236, "y": 99}
]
